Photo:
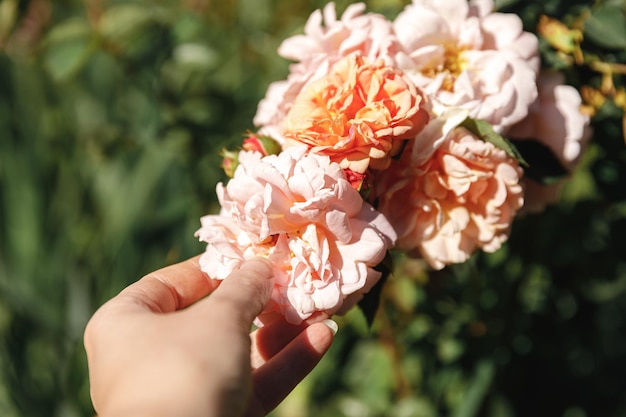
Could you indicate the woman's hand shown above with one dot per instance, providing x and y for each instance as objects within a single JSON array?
[{"x": 163, "y": 348}]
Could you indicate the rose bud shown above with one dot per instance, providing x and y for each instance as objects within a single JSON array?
[{"x": 263, "y": 144}]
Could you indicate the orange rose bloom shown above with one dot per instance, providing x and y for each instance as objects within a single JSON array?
[
  {"x": 359, "y": 114},
  {"x": 464, "y": 197}
]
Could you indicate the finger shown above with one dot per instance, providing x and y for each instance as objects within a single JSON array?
[
  {"x": 273, "y": 337},
  {"x": 279, "y": 376},
  {"x": 241, "y": 296},
  {"x": 171, "y": 288}
]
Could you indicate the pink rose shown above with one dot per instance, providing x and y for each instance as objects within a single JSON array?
[
  {"x": 462, "y": 197},
  {"x": 556, "y": 121},
  {"x": 464, "y": 55},
  {"x": 359, "y": 114},
  {"x": 326, "y": 40},
  {"x": 299, "y": 211}
]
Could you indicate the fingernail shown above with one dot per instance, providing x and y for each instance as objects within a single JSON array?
[{"x": 332, "y": 325}]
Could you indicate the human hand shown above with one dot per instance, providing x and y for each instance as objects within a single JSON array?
[{"x": 162, "y": 348}]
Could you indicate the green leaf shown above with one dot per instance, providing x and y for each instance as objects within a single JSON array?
[
  {"x": 485, "y": 131},
  {"x": 606, "y": 26},
  {"x": 67, "y": 48},
  {"x": 502, "y": 4},
  {"x": 8, "y": 17},
  {"x": 135, "y": 31},
  {"x": 371, "y": 301},
  {"x": 478, "y": 389},
  {"x": 543, "y": 166}
]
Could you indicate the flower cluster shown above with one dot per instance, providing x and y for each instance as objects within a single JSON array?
[
  {"x": 298, "y": 210},
  {"x": 390, "y": 134}
]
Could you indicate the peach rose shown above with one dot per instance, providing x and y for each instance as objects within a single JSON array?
[
  {"x": 461, "y": 198},
  {"x": 466, "y": 56},
  {"x": 325, "y": 41},
  {"x": 359, "y": 114},
  {"x": 556, "y": 121},
  {"x": 300, "y": 212}
]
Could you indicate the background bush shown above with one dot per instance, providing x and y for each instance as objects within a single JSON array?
[{"x": 112, "y": 114}]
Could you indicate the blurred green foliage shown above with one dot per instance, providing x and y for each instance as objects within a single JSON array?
[{"x": 112, "y": 114}]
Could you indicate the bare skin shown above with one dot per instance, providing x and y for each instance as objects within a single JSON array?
[{"x": 163, "y": 348}]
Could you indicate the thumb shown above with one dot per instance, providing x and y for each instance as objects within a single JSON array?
[{"x": 241, "y": 296}]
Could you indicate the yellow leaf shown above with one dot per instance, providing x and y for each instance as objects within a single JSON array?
[{"x": 558, "y": 35}]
